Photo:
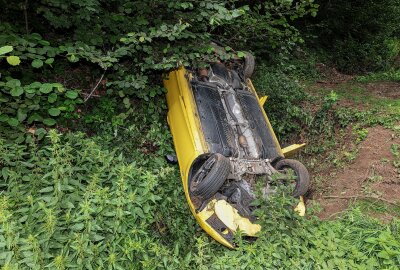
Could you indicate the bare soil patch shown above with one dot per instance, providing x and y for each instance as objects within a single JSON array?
[
  {"x": 384, "y": 89},
  {"x": 333, "y": 79},
  {"x": 371, "y": 174}
]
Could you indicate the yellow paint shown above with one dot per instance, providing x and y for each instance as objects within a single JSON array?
[
  {"x": 292, "y": 149},
  {"x": 208, "y": 211},
  {"x": 187, "y": 135},
  {"x": 301, "y": 207},
  {"x": 231, "y": 218},
  {"x": 262, "y": 100}
]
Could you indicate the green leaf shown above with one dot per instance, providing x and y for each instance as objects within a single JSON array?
[
  {"x": 71, "y": 94},
  {"x": 13, "y": 60},
  {"x": 52, "y": 98},
  {"x": 13, "y": 122},
  {"x": 40, "y": 133},
  {"x": 17, "y": 91},
  {"x": 241, "y": 54},
  {"x": 13, "y": 83},
  {"x": 34, "y": 117},
  {"x": 49, "y": 121},
  {"x": 46, "y": 189},
  {"x": 126, "y": 102},
  {"x": 30, "y": 90},
  {"x": 59, "y": 86},
  {"x": 49, "y": 61},
  {"x": 46, "y": 88},
  {"x": 37, "y": 63},
  {"x": 77, "y": 227},
  {"x": 6, "y": 49},
  {"x": 4, "y": 118},
  {"x": 54, "y": 111},
  {"x": 21, "y": 115}
]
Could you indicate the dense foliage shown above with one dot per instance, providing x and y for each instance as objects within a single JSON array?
[
  {"x": 75, "y": 205},
  {"x": 107, "y": 46},
  {"x": 358, "y": 35}
]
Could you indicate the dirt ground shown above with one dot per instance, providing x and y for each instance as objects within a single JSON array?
[{"x": 372, "y": 174}]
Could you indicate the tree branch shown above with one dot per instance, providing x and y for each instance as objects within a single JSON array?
[{"x": 97, "y": 85}]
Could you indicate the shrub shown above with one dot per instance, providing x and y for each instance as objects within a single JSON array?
[
  {"x": 358, "y": 35},
  {"x": 283, "y": 105}
]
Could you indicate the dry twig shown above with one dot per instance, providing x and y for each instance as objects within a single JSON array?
[{"x": 360, "y": 197}]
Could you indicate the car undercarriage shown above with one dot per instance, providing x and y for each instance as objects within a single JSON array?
[{"x": 238, "y": 150}]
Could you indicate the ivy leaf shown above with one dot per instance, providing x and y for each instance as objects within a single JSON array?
[
  {"x": 13, "y": 60},
  {"x": 71, "y": 94},
  {"x": 49, "y": 121},
  {"x": 17, "y": 91},
  {"x": 6, "y": 49},
  {"x": 37, "y": 63},
  {"x": 54, "y": 111}
]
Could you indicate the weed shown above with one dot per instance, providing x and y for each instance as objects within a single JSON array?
[
  {"x": 392, "y": 75},
  {"x": 360, "y": 133}
]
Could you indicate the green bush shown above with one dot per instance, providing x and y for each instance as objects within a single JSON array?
[
  {"x": 283, "y": 105},
  {"x": 358, "y": 35},
  {"x": 71, "y": 204}
]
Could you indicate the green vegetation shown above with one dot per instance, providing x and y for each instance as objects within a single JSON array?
[
  {"x": 86, "y": 207},
  {"x": 357, "y": 36},
  {"x": 83, "y": 133},
  {"x": 391, "y": 75}
]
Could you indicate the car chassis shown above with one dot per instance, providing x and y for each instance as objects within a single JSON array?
[{"x": 225, "y": 144}]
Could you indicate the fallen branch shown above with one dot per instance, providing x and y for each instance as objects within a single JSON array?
[
  {"x": 97, "y": 85},
  {"x": 359, "y": 197}
]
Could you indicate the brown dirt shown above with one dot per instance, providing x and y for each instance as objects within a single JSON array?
[
  {"x": 371, "y": 174},
  {"x": 384, "y": 89},
  {"x": 334, "y": 79}
]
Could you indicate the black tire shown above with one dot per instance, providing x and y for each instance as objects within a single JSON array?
[
  {"x": 301, "y": 173},
  {"x": 249, "y": 65},
  {"x": 210, "y": 177}
]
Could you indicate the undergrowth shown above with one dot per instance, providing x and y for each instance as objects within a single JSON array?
[
  {"x": 391, "y": 75},
  {"x": 110, "y": 201},
  {"x": 74, "y": 205}
]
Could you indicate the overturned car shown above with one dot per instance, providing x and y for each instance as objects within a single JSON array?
[{"x": 224, "y": 145}]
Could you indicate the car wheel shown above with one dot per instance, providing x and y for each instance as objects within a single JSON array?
[
  {"x": 210, "y": 176},
  {"x": 301, "y": 174},
  {"x": 249, "y": 64}
]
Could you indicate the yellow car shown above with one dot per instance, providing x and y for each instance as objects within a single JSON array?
[{"x": 224, "y": 144}]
